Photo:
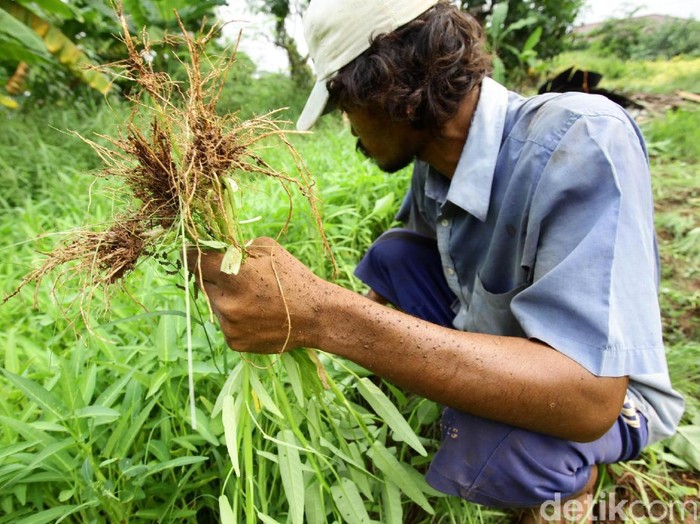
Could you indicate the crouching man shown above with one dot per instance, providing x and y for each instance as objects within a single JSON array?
[{"x": 524, "y": 281}]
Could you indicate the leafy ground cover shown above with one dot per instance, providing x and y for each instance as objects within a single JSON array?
[{"x": 96, "y": 424}]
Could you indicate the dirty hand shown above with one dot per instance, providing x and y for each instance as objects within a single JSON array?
[{"x": 270, "y": 306}]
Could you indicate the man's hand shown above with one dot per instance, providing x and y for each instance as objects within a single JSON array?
[
  {"x": 276, "y": 303},
  {"x": 269, "y": 306}
]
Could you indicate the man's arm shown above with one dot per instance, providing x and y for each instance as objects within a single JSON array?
[{"x": 517, "y": 381}]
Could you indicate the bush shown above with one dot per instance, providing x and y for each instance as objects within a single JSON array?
[
  {"x": 639, "y": 39},
  {"x": 674, "y": 136}
]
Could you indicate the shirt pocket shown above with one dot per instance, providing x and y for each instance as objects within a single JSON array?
[{"x": 490, "y": 313}]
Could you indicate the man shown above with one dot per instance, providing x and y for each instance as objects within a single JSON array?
[{"x": 525, "y": 283}]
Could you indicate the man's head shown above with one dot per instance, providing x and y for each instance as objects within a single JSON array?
[{"x": 413, "y": 60}]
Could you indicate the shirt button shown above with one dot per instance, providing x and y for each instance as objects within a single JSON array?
[
  {"x": 444, "y": 222},
  {"x": 450, "y": 271}
]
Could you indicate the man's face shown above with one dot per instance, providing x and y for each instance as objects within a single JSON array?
[{"x": 392, "y": 145}]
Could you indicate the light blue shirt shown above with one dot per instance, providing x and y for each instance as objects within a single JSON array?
[{"x": 546, "y": 231}]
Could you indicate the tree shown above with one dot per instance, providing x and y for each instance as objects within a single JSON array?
[
  {"x": 27, "y": 38},
  {"x": 513, "y": 41},
  {"x": 51, "y": 44},
  {"x": 517, "y": 30},
  {"x": 282, "y": 11}
]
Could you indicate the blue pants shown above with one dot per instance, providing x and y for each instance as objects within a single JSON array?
[{"x": 481, "y": 460}]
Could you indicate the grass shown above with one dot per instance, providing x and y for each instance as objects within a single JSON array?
[
  {"x": 631, "y": 76},
  {"x": 97, "y": 425}
]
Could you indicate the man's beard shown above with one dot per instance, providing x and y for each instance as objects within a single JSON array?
[{"x": 388, "y": 167}]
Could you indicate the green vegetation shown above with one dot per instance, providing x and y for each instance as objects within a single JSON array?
[
  {"x": 49, "y": 47},
  {"x": 96, "y": 422},
  {"x": 634, "y": 76},
  {"x": 639, "y": 39}
]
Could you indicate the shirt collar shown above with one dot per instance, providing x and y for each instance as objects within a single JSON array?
[{"x": 470, "y": 187}]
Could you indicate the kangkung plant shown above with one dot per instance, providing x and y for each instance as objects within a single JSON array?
[{"x": 289, "y": 430}]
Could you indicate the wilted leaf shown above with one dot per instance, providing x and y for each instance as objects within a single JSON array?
[
  {"x": 225, "y": 511},
  {"x": 231, "y": 263}
]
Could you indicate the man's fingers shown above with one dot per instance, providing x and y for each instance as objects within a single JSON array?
[
  {"x": 263, "y": 246},
  {"x": 204, "y": 265}
]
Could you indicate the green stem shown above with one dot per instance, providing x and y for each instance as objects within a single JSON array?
[
  {"x": 246, "y": 428},
  {"x": 188, "y": 315}
]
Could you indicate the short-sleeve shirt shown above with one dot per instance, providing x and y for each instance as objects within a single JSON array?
[{"x": 546, "y": 231}]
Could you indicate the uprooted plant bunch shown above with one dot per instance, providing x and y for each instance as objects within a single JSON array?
[{"x": 181, "y": 162}]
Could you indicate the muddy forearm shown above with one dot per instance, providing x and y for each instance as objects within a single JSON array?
[{"x": 517, "y": 381}]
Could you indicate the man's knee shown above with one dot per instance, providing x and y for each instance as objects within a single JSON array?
[
  {"x": 496, "y": 465},
  {"x": 404, "y": 268}
]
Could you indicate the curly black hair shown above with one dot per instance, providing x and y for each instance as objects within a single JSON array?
[{"x": 418, "y": 73}]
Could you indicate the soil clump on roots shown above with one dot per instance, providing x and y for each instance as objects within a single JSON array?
[{"x": 181, "y": 163}]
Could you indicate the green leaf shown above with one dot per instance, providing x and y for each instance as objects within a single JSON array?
[
  {"x": 49, "y": 515},
  {"x": 176, "y": 463},
  {"x": 204, "y": 428},
  {"x": 394, "y": 472},
  {"x": 157, "y": 381},
  {"x": 313, "y": 504},
  {"x": 127, "y": 430},
  {"x": 519, "y": 24},
  {"x": 44, "y": 398},
  {"x": 65, "y": 495},
  {"x": 384, "y": 205},
  {"x": 136, "y": 10},
  {"x": 70, "y": 393},
  {"x": 292, "y": 475},
  {"x": 88, "y": 382},
  {"x": 229, "y": 414},
  {"x": 9, "y": 342},
  {"x": 391, "y": 504},
  {"x": 51, "y": 452},
  {"x": 166, "y": 339},
  {"x": 100, "y": 414},
  {"x": 532, "y": 40},
  {"x": 498, "y": 19},
  {"x": 364, "y": 480},
  {"x": 9, "y": 451},
  {"x": 499, "y": 70},
  {"x": 264, "y": 396},
  {"x": 51, "y": 459},
  {"x": 56, "y": 7},
  {"x": 213, "y": 244},
  {"x": 110, "y": 395},
  {"x": 337, "y": 453},
  {"x": 19, "y": 41},
  {"x": 294, "y": 377},
  {"x": 28, "y": 431},
  {"x": 231, "y": 386},
  {"x": 381, "y": 404},
  {"x": 266, "y": 519},
  {"x": 349, "y": 502},
  {"x": 686, "y": 444},
  {"x": 225, "y": 511}
]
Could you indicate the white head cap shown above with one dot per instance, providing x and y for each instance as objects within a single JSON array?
[{"x": 338, "y": 31}]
